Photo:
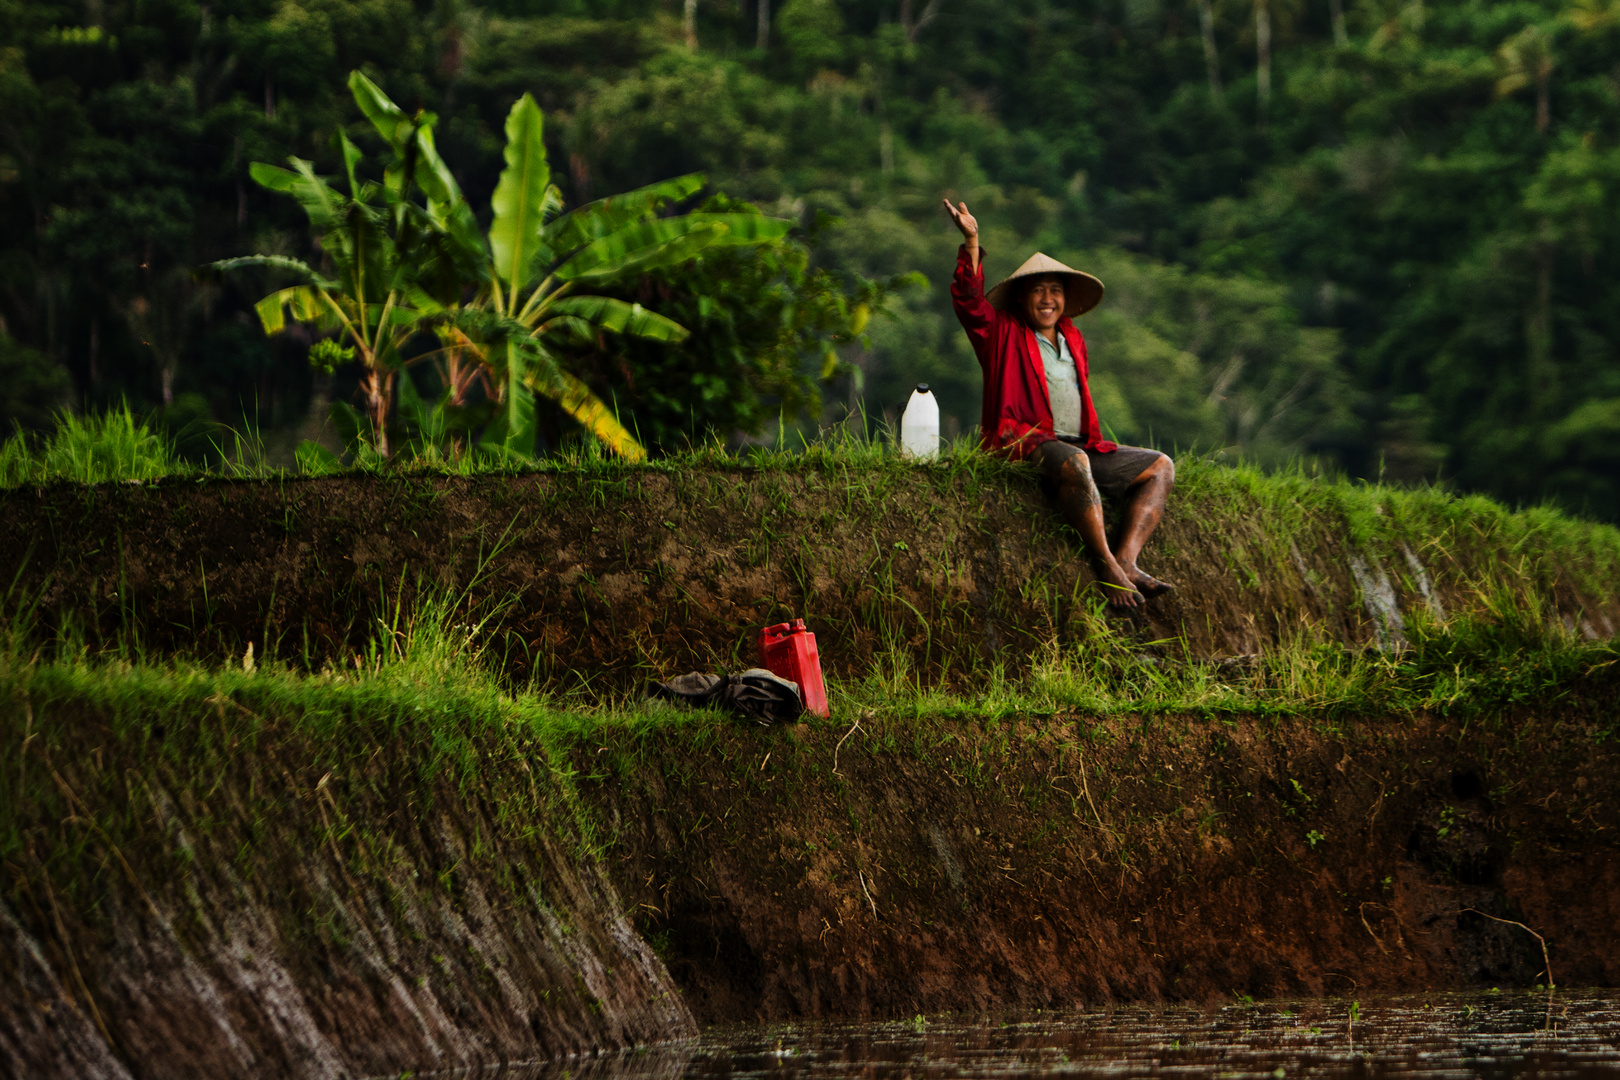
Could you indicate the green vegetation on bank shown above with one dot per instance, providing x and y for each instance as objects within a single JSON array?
[
  {"x": 445, "y": 724},
  {"x": 415, "y": 280},
  {"x": 431, "y": 671},
  {"x": 1500, "y": 550},
  {"x": 118, "y": 445}
]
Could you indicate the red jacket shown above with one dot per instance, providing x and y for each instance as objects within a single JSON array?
[{"x": 1017, "y": 408}]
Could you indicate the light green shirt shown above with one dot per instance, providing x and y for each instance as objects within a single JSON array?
[{"x": 1062, "y": 384}]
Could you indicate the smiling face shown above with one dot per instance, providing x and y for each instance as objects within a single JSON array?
[{"x": 1043, "y": 301}]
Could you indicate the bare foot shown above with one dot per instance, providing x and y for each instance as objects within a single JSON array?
[
  {"x": 1117, "y": 586},
  {"x": 1148, "y": 585}
]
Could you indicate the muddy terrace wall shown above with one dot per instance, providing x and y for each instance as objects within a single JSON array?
[
  {"x": 1052, "y": 861},
  {"x": 208, "y": 878},
  {"x": 225, "y": 877},
  {"x": 617, "y": 573}
]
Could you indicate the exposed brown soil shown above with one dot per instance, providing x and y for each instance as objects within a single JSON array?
[
  {"x": 614, "y": 578},
  {"x": 304, "y": 912},
  {"x": 1055, "y": 862},
  {"x": 309, "y": 909},
  {"x": 327, "y": 910}
]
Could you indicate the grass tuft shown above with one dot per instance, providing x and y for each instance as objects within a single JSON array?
[{"x": 90, "y": 450}]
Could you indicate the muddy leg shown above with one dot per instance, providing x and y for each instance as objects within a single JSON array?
[
  {"x": 1082, "y": 508},
  {"x": 1144, "y": 508}
]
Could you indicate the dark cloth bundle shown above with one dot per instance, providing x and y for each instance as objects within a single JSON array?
[{"x": 756, "y": 693}]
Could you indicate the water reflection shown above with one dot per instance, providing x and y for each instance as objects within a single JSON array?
[{"x": 1437, "y": 1035}]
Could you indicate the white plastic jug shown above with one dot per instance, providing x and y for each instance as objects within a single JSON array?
[{"x": 919, "y": 425}]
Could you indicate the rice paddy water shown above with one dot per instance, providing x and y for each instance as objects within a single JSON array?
[{"x": 1431, "y": 1036}]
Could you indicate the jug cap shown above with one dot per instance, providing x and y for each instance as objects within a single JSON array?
[{"x": 922, "y": 388}]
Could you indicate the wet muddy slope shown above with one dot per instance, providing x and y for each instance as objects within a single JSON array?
[
  {"x": 1056, "y": 862},
  {"x": 228, "y": 873},
  {"x": 331, "y": 908},
  {"x": 615, "y": 576},
  {"x": 303, "y": 911}
]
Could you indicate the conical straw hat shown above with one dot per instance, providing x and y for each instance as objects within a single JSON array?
[{"x": 1081, "y": 291}]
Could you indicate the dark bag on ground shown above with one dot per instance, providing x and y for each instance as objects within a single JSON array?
[{"x": 756, "y": 693}]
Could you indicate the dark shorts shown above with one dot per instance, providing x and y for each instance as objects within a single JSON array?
[{"x": 1113, "y": 473}]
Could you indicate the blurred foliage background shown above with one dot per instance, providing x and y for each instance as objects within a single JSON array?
[{"x": 1382, "y": 235}]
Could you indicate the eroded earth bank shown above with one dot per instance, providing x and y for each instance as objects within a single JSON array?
[
  {"x": 358, "y": 856},
  {"x": 1058, "y": 860},
  {"x": 336, "y": 908}
]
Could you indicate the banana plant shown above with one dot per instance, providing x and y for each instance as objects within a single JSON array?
[
  {"x": 382, "y": 248},
  {"x": 408, "y": 253},
  {"x": 533, "y": 270}
]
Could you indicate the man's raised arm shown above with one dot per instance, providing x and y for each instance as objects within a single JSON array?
[
  {"x": 973, "y": 311},
  {"x": 970, "y": 230}
]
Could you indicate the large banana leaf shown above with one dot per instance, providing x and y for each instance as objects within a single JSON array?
[
  {"x": 446, "y": 205},
  {"x": 432, "y": 175},
  {"x": 389, "y": 119},
  {"x": 511, "y": 435},
  {"x": 413, "y": 138},
  {"x": 653, "y": 256},
  {"x": 620, "y": 317},
  {"x": 644, "y": 246},
  {"x": 596, "y": 219},
  {"x": 745, "y": 228},
  {"x": 520, "y": 200},
  {"x": 530, "y": 370},
  {"x": 323, "y": 205},
  {"x": 652, "y": 245},
  {"x": 351, "y": 158},
  {"x": 567, "y": 328},
  {"x": 297, "y": 267},
  {"x": 306, "y": 305},
  {"x": 578, "y": 401}
]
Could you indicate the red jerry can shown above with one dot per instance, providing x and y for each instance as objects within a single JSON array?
[{"x": 789, "y": 651}]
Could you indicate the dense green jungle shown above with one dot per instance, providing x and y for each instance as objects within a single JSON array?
[{"x": 1380, "y": 235}]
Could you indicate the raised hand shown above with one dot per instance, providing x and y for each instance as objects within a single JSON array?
[
  {"x": 970, "y": 229},
  {"x": 964, "y": 221}
]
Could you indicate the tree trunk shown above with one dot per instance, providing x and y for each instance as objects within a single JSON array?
[
  {"x": 763, "y": 41},
  {"x": 1212, "y": 58},
  {"x": 689, "y": 23},
  {"x": 1543, "y": 102},
  {"x": 1262, "y": 48},
  {"x": 1539, "y": 332},
  {"x": 378, "y": 387},
  {"x": 1340, "y": 37},
  {"x": 912, "y": 29}
]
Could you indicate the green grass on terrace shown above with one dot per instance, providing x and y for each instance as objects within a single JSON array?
[
  {"x": 1434, "y": 521},
  {"x": 429, "y": 667},
  {"x": 423, "y": 697},
  {"x": 425, "y": 700}
]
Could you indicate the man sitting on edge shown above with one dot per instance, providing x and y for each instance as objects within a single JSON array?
[{"x": 1037, "y": 405}]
